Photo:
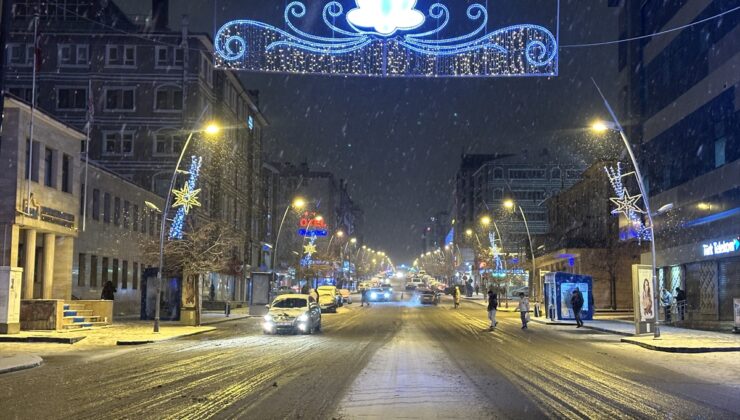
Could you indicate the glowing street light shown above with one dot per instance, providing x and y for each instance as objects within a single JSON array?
[
  {"x": 599, "y": 126},
  {"x": 485, "y": 220},
  {"x": 212, "y": 128},
  {"x": 298, "y": 203}
]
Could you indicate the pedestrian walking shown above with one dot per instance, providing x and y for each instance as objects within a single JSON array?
[
  {"x": 363, "y": 298},
  {"x": 666, "y": 300},
  {"x": 576, "y": 302},
  {"x": 492, "y": 307},
  {"x": 109, "y": 291},
  {"x": 457, "y": 296},
  {"x": 524, "y": 310},
  {"x": 477, "y": 289},
  {"x": 681, "y": 302}
]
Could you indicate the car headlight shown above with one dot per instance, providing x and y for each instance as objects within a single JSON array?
[
  {"x": 302, "y": 318},
  {"x": 387, "y": 295},
  {"x": 390, "y": 290},
  {"x": 373, "y": 295},
  {"x": 268, "y": 318}
]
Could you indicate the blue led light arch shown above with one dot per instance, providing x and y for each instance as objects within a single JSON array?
[{"x": 386, "y": 38}]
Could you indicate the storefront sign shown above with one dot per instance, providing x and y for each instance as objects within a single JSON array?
[{"x": 721, "y": 247}]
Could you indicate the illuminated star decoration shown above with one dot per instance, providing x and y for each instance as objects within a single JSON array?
[
  {"x": 388, "y": 38},
  {"x": 186, "y": 198},
  {"x": 498, "y": 271},
  {"x": 308, "y": 251},
  {"x": 626, "y": 203}
]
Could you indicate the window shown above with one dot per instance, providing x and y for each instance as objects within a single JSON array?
[
  {"x": 168, "y": 98},
  {"x": 124, "y": 275},
  {"x": 120, "y": 55},
  {"x": 206, "y": 72},
  {"x": 126, "y": 208},
  {"x": 498, "y": 194},
  {"x": 19, "y": 54},
  {"x": 25, "y": 93},
  {"x": 117, "y": 211},
  {"x": 71, "y": 55},
  {"x": 119, "y": 99},
  {"x": 96, "y": 204},
  {"x": 555, "y": 173},
  {"x": 81, "y": 269},
  {"x": 32, "y": 162},
  {"x": 72, "y": 98},
  {"x": 82, "y": 198},
  {"x": 169, "y": 56},
  {"x": 152, "y": 220},
  {"x": 526, "y": 173},
  {"x": 49, "y": 167},
  {"x": 135, "y": 279},
  {"x": 719, "y": 152},
  {"x": 143, "y": 221},
  {"x": 105, "y": 272},
  {"x": 93, "y": 270},
  {"x": 118, "y": 143},
  {"x": 167, "y": 143},
  {"x": 106, "y": 208},
  {"x": 572, "y": 174},
  {"x": 115, "y": 272},
  {"x": 66, "y": 174},
  {"x": 135, "y": 218},
  {"x": 498, "y": 173}
]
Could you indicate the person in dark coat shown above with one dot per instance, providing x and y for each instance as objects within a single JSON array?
[
  {"x": 108, "y": 291},
  {"x": 576, "y": 302},
  {"x": 492, "y": 307},
  {"x": 681, "y": 302}
]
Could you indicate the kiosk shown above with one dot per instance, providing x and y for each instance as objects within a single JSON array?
[{"x": 558, "y": 289}]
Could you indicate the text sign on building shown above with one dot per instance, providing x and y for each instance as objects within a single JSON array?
[
  {"x": 396, "y": 38},
  {"x": 721, "y": 247}
]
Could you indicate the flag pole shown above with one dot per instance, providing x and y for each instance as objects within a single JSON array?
[
  {"x": 88, "y": 126},
  {"x": 33, "y": 108}
]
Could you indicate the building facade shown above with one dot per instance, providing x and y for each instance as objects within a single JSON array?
[
  {"x": 143, "y": 89},
  {"x": 681, "y": 90}
]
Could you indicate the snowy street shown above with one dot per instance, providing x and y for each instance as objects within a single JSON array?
[{"x": 389, "y": 360}]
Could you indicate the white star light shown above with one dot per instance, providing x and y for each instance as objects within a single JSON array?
[
  {"x": 627, "y": 204},
  {"x": 386, "y": 16}
]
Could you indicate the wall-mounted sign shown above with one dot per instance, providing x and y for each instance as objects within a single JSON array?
[
  {"x": 393, "y": 38},
  {"x": 721, "y": 247},
  {"x": 313, "y": 232}
]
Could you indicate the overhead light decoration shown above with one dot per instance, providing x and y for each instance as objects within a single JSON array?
[
  {"x": 186, "y": 198},
  {"x": 386, "y": 38},
  {"x": 627, "y": 204},
  {"x": 308, "y": 251}
]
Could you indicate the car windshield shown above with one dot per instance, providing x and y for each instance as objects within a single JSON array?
[{"x": 291, "y": 303}]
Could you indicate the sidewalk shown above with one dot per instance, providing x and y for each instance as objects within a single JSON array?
[
  {"x": 15, "y": 362},
  {"x": 672, "y": 339}
]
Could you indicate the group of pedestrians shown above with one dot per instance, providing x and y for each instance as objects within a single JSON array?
[
  {"x": 666, "y": 299},
  {"x": 493, "y": 307}
]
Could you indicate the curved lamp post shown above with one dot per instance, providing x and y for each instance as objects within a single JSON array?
[
  {"x": 510, "y": 204},
  {"x": 601, "y": 127},
  {"x": 297, "y": 203},
  {"x": 210, "y": 130}
]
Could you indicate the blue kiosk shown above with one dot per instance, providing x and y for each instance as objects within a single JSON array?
[{"x": 558, "y": 290}]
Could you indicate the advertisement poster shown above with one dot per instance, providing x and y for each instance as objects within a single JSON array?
[
  {"x": 646, "y": 295},
  {"x": 736, "y": 303},
  {"x": 566, "y": 292}
]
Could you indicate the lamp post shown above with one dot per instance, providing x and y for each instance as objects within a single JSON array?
[
  {"x": 509, "y": 204},
  {"x": 211, "y": 130},
  {"x": 616, "y": 126},
  {"x": 486, "y": 221},
  {"x": 297, "y": 203}
]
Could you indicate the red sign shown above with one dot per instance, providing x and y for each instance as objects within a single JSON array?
[{"x": 310, "y": 223}]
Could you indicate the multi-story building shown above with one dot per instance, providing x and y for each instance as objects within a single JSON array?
[
  {"x": 584, "y": 238},
  {"x": 142, "y": 90},
  {"x": 681, "y": 92},
  {"x": 435, "y": 232}
]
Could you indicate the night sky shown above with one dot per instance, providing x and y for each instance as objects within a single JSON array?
[{"x": 399, "y": 141}]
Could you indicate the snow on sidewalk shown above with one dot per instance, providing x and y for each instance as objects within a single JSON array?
[
  {"x": 18, "y": 361},
  {"x": 411, "y": 377}
]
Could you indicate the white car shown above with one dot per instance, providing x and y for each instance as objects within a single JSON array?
[{"x": 292, "y": 313}]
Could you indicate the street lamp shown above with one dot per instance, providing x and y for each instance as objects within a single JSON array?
[
  {"x": 510, "y": 205},
  {"x": 298, "y": 203},
  {"x": 210, "y": 130},
  {"x": 601, "y": 126}
]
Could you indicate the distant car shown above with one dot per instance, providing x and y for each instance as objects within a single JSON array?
[
  {"x": 379, "y": 295},
  {"x": 329, "y": 298},
  {"x": 292, "y": 313},
  {"x": 346, "y": 296},
  {"x": 410, "y": 286},
  {"x": 426, "y": 296}
]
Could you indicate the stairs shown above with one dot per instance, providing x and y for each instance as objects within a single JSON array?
[{"x": 79, "y": 316}]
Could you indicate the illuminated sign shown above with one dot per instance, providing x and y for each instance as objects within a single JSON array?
[
  {"x": 389, "y": 38},
  {"x": 312, "y": 232},
  {"x": 721, "y": 247}
]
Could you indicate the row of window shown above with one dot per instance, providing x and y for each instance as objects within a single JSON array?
[
  {"x": 97, "y": 271},
  {"x": 166, "y": 98},
  {"x": 121, "y": 142},
  {"x": 52, "y": 159},
  {"x": 532, "y": 173},
  {"x": 122, "y": 213},
  {"x": 78, "y": 55}
]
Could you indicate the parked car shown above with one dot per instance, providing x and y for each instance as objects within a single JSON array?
[
  {"x": 426, "y": 296},
  {"x": 292, "y": 313},
  {"x": 379, "y": 295},
  {"x": 346, "y": 296},
  {"x": 329, "y": 298}
]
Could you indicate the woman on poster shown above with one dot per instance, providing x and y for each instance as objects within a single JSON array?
[{"x": 647, "y": 299}]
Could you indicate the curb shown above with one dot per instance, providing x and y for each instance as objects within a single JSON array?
[
  {"x": 174, "y": 337},
  {"x": 35, "y": 363},
  {"x": 58, "y": 340},
  {"x": 680, "y": 349},
  {"x": 225, "y": 319}
]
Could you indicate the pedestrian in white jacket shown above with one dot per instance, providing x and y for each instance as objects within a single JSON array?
[{"x": 524, "y": 309}]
